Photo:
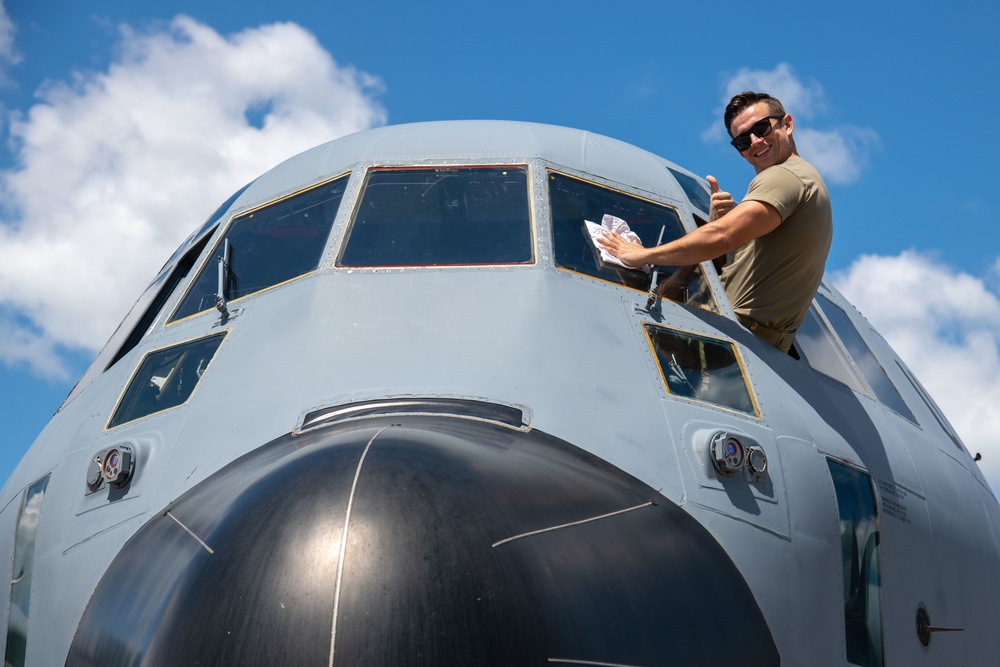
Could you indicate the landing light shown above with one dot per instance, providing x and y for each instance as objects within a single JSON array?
[
  {"x": 114, "y": 466},
  {"x": 117, "y": 465},
  {"x": 728, "y": 453},
  {"x": 756, "y": 462}
]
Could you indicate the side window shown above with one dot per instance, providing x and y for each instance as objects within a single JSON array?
[
  {"x": 695, "y": 191},
  {"x": 165, "y": 379},
  {"x": 440, "y": 217},
  {"x": 864, "y": 358},
  {"x": 701, "y": 368},
  {"x": 268, "y": 246},
  {"x": 23, "y": 567},
  {"x": 574, "y": 202},
  {"x": 167, "y": 287},
  {"x": 859, "y": 548},
  {"x": 819, "y": 348}
]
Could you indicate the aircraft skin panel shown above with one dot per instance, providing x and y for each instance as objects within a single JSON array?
[
  {"x": 549, "y": 516},
  {"x": 558, "y": 558}
]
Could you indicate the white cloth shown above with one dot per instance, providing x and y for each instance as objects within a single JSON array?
[{"x": 610, "y": 223}]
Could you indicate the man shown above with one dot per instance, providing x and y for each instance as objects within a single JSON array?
[{"x": 777, "y": 238}]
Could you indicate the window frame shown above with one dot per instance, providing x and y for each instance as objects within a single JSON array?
[
  {"x": 756, "y": 415},
  {"x": 714, "y": 305},
  {"x": 222, "y": 334},
  {"x": 875, "y": 518},
  {"x": 225, "y": 229},
  {"x": 344, "y": 232},
  {"x": 871, "y": 393}
]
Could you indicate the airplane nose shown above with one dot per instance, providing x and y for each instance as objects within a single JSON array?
[{"x": 422, "y": 541}]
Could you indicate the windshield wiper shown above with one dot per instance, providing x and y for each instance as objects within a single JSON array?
[
  {"x": 654, "y": 283},
  {"x": 222, "y": 293}
]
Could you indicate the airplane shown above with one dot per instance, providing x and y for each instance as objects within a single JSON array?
[{"x": 388, "y": 405}]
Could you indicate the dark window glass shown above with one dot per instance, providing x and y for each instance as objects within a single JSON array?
[
  {"x": 441, "y": 217},
  {"x": 864, "y": 358},
  {"x": 23, "y": 568},
  {"x": 269, "y": 245},
  {"x": 859, "y": 540},
  {"x": 704, "y": 369},
  {"x": 574, "y": 201},
  {"x": 165, "y": 379},
  {"x": 212, "y": 221},
  {"x": 178, "y": 273},
  {"x": 695, "y": 191}
]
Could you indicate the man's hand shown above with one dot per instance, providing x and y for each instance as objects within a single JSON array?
[
  {"x": 722, "y": 202},
  {"x": 631, "y": 254}
]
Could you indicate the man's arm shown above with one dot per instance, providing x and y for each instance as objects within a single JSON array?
[{"x": 743, "y": 223}]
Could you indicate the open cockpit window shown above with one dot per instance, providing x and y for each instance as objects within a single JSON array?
[
  {"x": 701, "y": 368},
  {"x": 165, "y": 379},
  {"x": 444, "y": 216},
  {"x": 266, "y": 247},
  {"x": 575, "y": 202}
]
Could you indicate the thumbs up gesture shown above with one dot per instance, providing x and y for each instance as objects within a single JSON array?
[{"x": 722, "y": 202}]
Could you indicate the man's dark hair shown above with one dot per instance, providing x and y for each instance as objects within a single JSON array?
[{"x": 748, "y": 98}]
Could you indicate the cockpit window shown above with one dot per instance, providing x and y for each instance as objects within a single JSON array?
[
  {"x": 818, "y": 347},
  {"x": 692, "y": 187},
  {"x": 441, "y": 217},
  {"x": 701, "y": 368},
  {"x": 165, "y": 379},
  {"x": 575, "y": 202},
  {"x": 268, "y": 246},
  {"x": 864, "y": 358}
]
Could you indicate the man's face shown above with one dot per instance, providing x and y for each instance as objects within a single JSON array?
[{"x": 769, "y": 150}]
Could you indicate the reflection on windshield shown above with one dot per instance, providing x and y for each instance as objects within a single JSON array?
[
  {"x": 165, "y": 379},
  {"x": 695, "y": 191},
  {"x": 441, "y": 217},
  {"x": 574, "y": 201},
  {"x": 269, "y": 245},
  {"x": 701, "y": 368},
  {"x": 818, "y": 347}
]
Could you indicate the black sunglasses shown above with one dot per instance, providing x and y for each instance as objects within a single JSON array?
[{"x": 760, "y": 129}]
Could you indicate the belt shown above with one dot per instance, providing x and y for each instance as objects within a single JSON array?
[{"x": 780, "y": 338}]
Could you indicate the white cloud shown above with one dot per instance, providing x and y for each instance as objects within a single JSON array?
[
  {"x": 840, "y": 154},
  {"x": 945, "y": 324},
  {"x": 116, "y": 168},
  {"x": 8, "y": 54},
  {"x": 806, "y": 97}
]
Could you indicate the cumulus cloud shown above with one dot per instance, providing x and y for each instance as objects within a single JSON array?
[
  {"x": 839, "y": 153},
  {"x": 115, "y": 168},
  {"x": 945, "y": 324}
]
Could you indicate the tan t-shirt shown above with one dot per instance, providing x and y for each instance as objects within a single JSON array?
[{"x": 773, "y": 278}]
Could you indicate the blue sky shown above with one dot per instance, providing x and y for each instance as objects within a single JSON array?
[{"x": 125, "y": 124}]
